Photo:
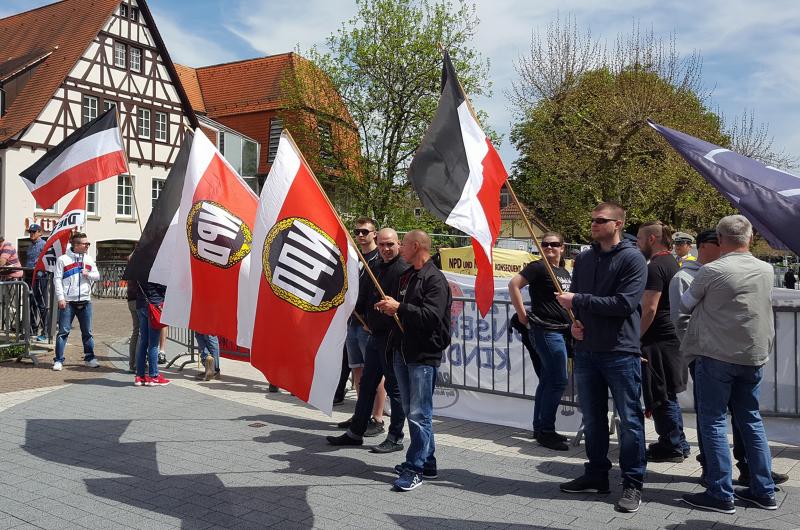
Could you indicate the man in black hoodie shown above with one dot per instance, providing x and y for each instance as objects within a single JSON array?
[
  {"x": 608, "y": 282},
  {"x": 424, "y": 311}
]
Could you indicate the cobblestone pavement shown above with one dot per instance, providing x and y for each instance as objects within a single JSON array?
[{"x": 96, "y": 452}]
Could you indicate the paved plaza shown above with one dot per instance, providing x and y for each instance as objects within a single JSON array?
[{"x": 87, "y": 449}]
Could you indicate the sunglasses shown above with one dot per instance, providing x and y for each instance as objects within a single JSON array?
[
  {"x": 554, "y": 244},
  {"x": 361, "y": 232},
  {"x": 82, "y": 243},
  {"x": 602, "y": 220}
]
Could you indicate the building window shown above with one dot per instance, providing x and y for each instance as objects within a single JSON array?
[
  {"x": 136, "y": 59},
  {"x": 143, "y": 122},
  {"x": 89, "y": 109},
  {"x": 325, "y": 144},
  {"x": 135, "y": 14},
  {"x": 123, "y": 10},
  {"x": 249, "y": 158},
  {"x": 119, "y": 54},
  {"x": 155, "y": 190},
  {"x": 222, "y": 143},
  {"x": 124, "y": 196},
  {"x": 275, "y": 130},
  {"x": 91, "y": 199},
  {"x": 52, "y": 209},
  {"x": 107, "y": 104},
  {"x": 161, "y": 126}
]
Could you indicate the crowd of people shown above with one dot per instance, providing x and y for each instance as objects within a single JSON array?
[{"x": 637, "y": 317}]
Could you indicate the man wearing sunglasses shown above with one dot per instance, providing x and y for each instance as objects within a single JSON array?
[
  {"x": 364, "y": 233},
  {"x": 74, "y": 274},
  {"x": 608, "y": 282}
]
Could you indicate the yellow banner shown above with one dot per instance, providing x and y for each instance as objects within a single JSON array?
[{"x": 507, "y": 262}]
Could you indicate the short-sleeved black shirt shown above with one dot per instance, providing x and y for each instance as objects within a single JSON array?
[
  {"x": 543, "y": 300},
  {"x": 660, "y": 271}
]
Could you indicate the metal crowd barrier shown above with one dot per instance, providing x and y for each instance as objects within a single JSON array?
[
  {"x": 111, "y": 284},
  {"x": 15, "y": 314},
  {"x": 185, "y": 338}
]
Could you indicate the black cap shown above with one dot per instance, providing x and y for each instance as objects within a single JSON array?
[{"x": 707, "y": 236}]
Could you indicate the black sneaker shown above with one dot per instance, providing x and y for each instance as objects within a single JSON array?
[
  {"x": 273, "y": 388},
  {"x": 630, "y": 500},
  {"x": 584, "y": 484},
  {"x": 342, "y": 440},
  {"x": 374, "y": 428},
  {"x": 387, "y": 446},
  {"x": 561, "y": 437},
  {"x": 552, "y": 441},
  {"x": 428, "y": 473},
  {"x": 744, "y": 478},
  {"x": 654, "y": 454},
  {"x": 346, "y": 423},
  {"x": 408, "y": 481},
  {"x": 707, "y": 502},
  {"x": 745, "y": 494},
  {"x": 162, "y": 358}
]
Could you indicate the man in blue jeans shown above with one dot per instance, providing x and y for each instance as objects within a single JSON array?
[
  {"x": 730, "y": 335},
  {"x": 423, "y": 306},
  {"x": 608, "y": 281},
  {"x": 208, "y": 346},
  {"x": 75, "y": 271}
]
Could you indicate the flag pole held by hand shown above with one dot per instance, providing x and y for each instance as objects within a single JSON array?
[{"x": 341, "y": 224}]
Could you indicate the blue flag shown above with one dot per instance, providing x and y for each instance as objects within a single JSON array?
[{"x": 767, "y": 196}]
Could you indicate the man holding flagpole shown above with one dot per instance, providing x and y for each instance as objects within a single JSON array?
[{"x": 424, "y": 310}]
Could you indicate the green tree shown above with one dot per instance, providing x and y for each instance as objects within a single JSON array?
[
  {"x": 386, "y": 63},
  {"x": 583, "y": 137}
]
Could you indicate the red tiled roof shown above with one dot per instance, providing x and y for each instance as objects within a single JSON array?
[
  {"x": 264, "y": 84},
  {"x": 512, "y": 213},
  {"x": 66, "y": 29},
  {"x": 191, "y": 85}
]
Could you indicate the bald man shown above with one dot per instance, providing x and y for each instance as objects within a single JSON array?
[
  {"x": 423, "y": 305},
  {"x": 666, "y": 374},
  {"x": 376, "y": 365}
]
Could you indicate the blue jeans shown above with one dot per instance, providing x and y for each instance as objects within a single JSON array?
[
  {"x": 208, "y": 344},
  {"x": 376, "y": 367},
  {"x": 718, "y": 385},
  {"x": 552, "y": 352},
  {"x": 147, "y": 349},
  {"x": 356, "y": 343},
  {"x": 595, "y": 374},
  {"x": 416, "y": 383},
  {"x": 82, "y": 310}
]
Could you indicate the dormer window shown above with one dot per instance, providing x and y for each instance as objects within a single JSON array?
[{"x": 123, "y": 10}]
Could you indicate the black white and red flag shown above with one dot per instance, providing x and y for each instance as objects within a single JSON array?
[
  {"x": 303, "y": 283},
  {"x": 92, "y": 153},
  {"x": 204, "y": 257},
  {"x": 458, "y": 175},
  {"x": 56, "y": 245}
]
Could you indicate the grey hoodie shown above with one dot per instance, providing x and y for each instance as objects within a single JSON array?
[{"x": 677, "y": 286}]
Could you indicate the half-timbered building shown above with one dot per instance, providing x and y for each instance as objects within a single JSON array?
[{"x": 60, "y": 66}]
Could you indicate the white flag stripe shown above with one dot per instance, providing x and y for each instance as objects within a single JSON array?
[
  {"x": 327, "y": 366},
  {"x": 178, "y": 300},
  {"x": 98, "y": 144},
  {"x": 162, "y": 264},
  {"x": 468, "y": 215},
  {"x": 276, "y": 188}
]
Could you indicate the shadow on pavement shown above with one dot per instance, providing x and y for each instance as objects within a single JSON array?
[{"x": 413, "y": 521}]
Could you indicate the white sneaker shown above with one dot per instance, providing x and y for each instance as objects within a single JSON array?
[
  {"x": 57, "y": 366},
  {"x": 93, "y": 363}
]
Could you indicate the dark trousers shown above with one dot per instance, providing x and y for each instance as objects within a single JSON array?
[
  {"x": 738, "y": 445},
  {"x": 345, "y": 375},
  {"x": 39, "y": 306},
  {"x": 375, "y": 367}
]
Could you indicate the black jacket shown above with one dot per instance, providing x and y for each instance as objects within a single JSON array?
[
  {"x": 608, "y": 289},
  {"x": 365, "y": 282},
  {"x": 388, "y": 275},
  {"x": 425, "y": 302}
]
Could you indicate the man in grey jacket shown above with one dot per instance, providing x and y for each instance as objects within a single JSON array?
[{"x": 730, "y": 335}]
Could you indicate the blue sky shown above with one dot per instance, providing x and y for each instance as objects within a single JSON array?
[{"x": 750, "y": 50}]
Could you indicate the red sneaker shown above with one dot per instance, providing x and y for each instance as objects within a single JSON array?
[
  {"x": 159, "y": 381},
  {"x": 139, "y": 381}
]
